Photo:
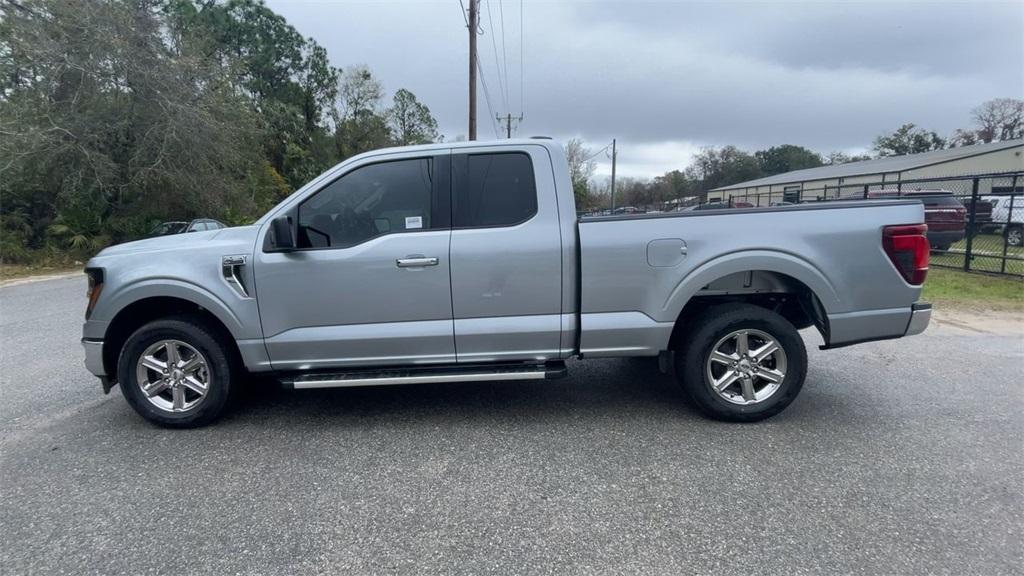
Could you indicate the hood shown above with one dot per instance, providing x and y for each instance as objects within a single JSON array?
[{"x": 186, "y": 241}]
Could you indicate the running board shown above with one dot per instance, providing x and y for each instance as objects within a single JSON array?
[{"x": 427, "y": 375}]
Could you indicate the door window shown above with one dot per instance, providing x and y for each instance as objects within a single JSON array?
[
  {"x": 497, "y": 190},
  {"x": 370, "y": 201}
]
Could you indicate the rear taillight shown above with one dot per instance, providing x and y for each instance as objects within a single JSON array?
[
  {"x": 907, "y": 247},
  {"x": 95, "y": 287}
]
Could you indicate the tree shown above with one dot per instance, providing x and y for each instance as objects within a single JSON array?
[
  {"x": 108, "y": 120},
  {"x": 288, "y": 80},
  {"x": 118, "y": 113},
  {"x": 410, "y": 120},
  {"x": 835, "y": 158},
  {"x": 999, "y": 119},
  {"x": 962, "y": 137},
  {"x": 715, "y": 167},
  {"x": 359, "y": 124},
  {"x": 786, "y": 158},
  {"x": 672, "y": 185},
  {"x": 581, "y": 169},
  {"x": 908, "y": 139}
]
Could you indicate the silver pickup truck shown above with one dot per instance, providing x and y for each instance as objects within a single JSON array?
[{"x": 466, "y": 261}]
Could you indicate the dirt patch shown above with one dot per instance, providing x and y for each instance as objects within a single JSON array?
[{"x": 978, "y": 321}]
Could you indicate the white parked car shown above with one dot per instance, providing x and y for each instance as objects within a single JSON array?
[{"x": 1007, "y": 219}]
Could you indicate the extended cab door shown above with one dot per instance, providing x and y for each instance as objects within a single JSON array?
[
  {"x": 505, "y": 255},
  {"x": 369, "y": 283}
]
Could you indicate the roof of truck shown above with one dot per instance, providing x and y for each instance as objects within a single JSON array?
[{"x": 541, "y": 141}]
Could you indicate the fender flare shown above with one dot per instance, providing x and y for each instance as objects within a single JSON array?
[
  {"x": 747, "y": 261},
  {"x": 164, "y": 287}
]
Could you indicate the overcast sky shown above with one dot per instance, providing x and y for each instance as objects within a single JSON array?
[{"x": 666, "y": 78}]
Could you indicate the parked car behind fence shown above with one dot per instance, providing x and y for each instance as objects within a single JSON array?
[
  {"x": 1006, "y": 217},
  {"x": 976, "y": 222}
]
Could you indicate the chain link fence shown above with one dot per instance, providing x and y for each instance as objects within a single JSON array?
[{"x": 975, "y": 223}]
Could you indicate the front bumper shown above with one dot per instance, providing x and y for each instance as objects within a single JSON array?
[
  {"x": 94, "y": 363},
  {"x": 94, "y": 357},
  {"x": 920, "y": 316}
]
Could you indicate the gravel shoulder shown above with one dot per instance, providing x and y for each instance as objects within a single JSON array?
[{"x": 979, "y": 321}]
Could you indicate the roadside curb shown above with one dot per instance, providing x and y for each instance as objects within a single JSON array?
[{"x": 40, "y": 278}]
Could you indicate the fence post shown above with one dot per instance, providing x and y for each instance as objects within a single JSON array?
[
  {"x": 1009, "y": 218},
  {"x": 970, "y": 226},
  {"x": 865, "y": 191}
]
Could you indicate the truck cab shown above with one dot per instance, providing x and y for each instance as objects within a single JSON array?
[{"x": 423, "y": 257}]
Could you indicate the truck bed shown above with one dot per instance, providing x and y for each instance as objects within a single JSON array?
[{"x": 638, "y": 271}]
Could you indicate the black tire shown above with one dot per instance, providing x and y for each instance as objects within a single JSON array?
[
  {"x": 193, "y": 331},
  {"x": 941, "y": 247},
  {"x": 1014, "y": 235},
  {"x": 714, "y": 324}
]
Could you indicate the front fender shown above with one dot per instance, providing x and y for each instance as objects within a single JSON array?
[{"x": 127, "y": 294}]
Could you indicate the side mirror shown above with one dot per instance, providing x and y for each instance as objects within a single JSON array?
[{"x": 282, "y": 239}]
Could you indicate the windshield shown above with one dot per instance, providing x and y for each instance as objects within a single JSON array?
[{"x": 169, "y": 228}]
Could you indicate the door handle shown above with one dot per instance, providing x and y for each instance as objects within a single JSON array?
[{"x": 417, "y": 262}]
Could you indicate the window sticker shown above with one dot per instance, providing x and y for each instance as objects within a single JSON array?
[{"x": 412, "y": 222}]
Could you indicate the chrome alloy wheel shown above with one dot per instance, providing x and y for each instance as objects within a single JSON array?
[
  {"x": 173, "y": 376},
  {"x": 746, "y": 367}
]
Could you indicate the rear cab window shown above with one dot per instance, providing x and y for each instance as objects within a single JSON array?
[{"x": 493, "y": 190}]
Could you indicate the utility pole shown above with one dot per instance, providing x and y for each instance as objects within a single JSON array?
[
  {"x": 507, "y": 119},
  {"x": 614, "y": 154},
  {"x": 473, "y": 19}
]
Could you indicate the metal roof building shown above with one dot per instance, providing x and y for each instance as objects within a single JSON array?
[{"x": 836, "y": 180}]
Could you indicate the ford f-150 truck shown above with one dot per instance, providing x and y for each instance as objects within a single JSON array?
[{"x": 466, "y": 262}]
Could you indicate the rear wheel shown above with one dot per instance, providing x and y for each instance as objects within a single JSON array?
[
  {"x": 741, "y": 363},
  {"x": 174, "y": 372}
]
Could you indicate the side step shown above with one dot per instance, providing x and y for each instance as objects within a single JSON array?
[{"x": 425, "y": 375}]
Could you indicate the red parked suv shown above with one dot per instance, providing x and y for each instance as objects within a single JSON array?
[{"x": 945, "y": 216}]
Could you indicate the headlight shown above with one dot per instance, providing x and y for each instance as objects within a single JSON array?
[{"x": 95, "y": 287}]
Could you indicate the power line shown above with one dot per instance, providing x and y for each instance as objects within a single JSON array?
[
  {"x": 464, "y": 19},
  {"x": 487, "y": 98},
  {"x": 504, "y": 53},
  {"x": 497, "y": 63},
  {"x": 598, "y": 152},
  {"x": 522, "y": 52}
]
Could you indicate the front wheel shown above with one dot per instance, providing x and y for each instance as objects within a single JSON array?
[
  {"x": 174, "y": 372},
  {"x": 741, "y": 363}
]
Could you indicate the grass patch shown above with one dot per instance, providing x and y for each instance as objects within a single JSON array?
[
  {"x": 989, "y": 244},
  {"x": 979, "y": 262},
  {"x": 987, "y": 251},
  {"x": 974, "y": 290},
  {"x": 12, "y": 271}
]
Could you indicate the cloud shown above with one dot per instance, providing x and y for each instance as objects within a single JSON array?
[{"x": 666, "y": 78}]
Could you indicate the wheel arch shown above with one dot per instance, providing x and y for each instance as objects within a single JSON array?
[
  {"x": 780, "y": 282},
  {"x": 146, "y": 309}
]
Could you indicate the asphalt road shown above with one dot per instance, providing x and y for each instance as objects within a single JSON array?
[{"x": 900, "y": 457}]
